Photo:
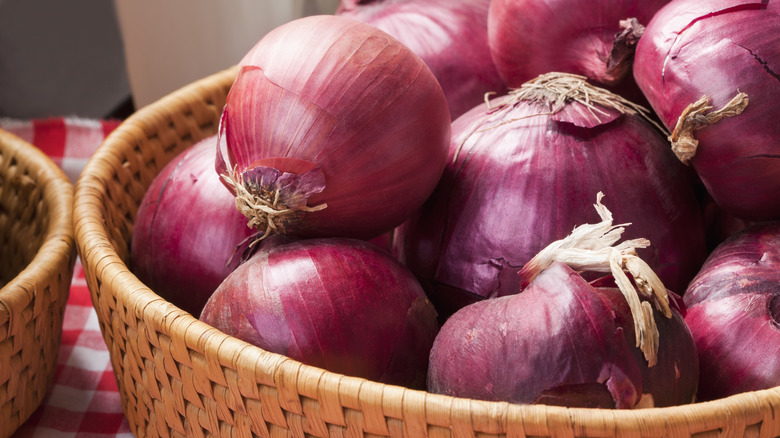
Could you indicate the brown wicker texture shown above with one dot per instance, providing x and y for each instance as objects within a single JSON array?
[
  {"x": 37, "y": 253},
  {"x": 181, "y": 377}
]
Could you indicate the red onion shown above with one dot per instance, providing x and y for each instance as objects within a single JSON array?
[
  {"x": 593, "y": 39},
  {"x": 710, "y": 69},
  {"x": 187, "y": 230},
  {"x": 339, "y": 304},
  {"x": 520, "y": 175},
  {"x": 332, "y": 128},
  {"x": 562, "y": 341},
  {"x": 450, "y": 36},
  {"x": 734, "y": 313}
]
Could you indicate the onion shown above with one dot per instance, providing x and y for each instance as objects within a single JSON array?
[
  {"x": 594, "y": 39},
  {"x": 563, "y": 341},
  {"x": 187, "y": 230},
  {"x": 335, "y": 303},
  {"x": 734, "y": 313},
  {"x": 710, "y": 70},
  {"x": 450, "y": 36},
  {"x": 519, "y": 175},
  {"x": 332, "y": 128}
]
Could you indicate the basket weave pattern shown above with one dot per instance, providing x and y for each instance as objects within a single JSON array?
[
  {"x": 37, "y": 254},
  {"x": 180, "y": 377}
]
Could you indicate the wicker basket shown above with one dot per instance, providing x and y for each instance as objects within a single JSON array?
[
  {"x": 181, "y": 377},
  {"x": 37, "y": 253}
]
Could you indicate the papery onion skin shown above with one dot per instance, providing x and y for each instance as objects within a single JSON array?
[
  {"x": 187, "y": 230},
  {"x": 450, "y": 36},
  {"x": 340, "y": 304},
  {"x": 532, "y": 37},
  {"x": 517, "y": 186},
  {"x": 734, "y": 313},
  {"x": 556, "y": 342},
  {"x": 343, "y": 99},
  {"x": 674, "y": 379},
  {"x": 718, "y": 48}
]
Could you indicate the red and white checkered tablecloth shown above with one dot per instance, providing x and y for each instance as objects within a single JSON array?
[{"x": 84, "y": 401}]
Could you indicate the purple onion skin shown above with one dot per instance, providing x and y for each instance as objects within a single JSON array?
[
  {"x": 734, "y": 313},
  {"x": 738, "y": 340},
  {"x": 517, "y": 187},
  {"x": 186, "y": 230},
  {"x": 717, "y": 48},
  {"x": 532, "y": 37},
  {"x": 340, "y": 304},
  {"x": 674, "y": 379},
  {"x": 450, "y": 36},
  {"x": 557, "y": 342},
  {"x": 360, "y": 109}
]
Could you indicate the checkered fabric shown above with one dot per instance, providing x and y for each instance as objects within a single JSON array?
[{"x": 84, "y": 400}]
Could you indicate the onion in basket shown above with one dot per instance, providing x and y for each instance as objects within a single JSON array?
[
  {"x": 614, "y": 343},
  {"x": 734, "y": 313},
  {"x": 332, "y": 128},
  {"x": 340, "y": 304},
  {"x": 187, "y": 230}
]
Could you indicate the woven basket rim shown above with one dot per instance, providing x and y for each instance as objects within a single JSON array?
[
  {"x": 58, "y": 245},
  {"x": 94, "y": 245}
]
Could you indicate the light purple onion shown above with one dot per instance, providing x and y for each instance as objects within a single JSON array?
[
  {"x": 562, "y": 342},
  {"x": 340, "y": 304},
  {"x": 524, "y": 178},
  {"x": 449, "y": 35}
]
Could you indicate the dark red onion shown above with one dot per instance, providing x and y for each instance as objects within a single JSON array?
[
  {"x": 334, "y": 128},
  {"x": 734, "y": 313},
  {"x": 594, "y": 39},
  {"x": 524, "y": 177},
  {"x": 710, "y": 70},
  {"x": 450, "y": 36},
  {"x": 187, "y": 230},
  {"x": 340, "y": 304}
]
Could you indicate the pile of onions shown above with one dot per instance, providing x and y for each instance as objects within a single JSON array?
[
  {"x": 594, "y": 39},
  {"x": 711, "y": 70},
  {"x": 339, "y": 304},
  {"x": 734, "y": 313},
  {"x": 619, "y": 342},
  {"x": 520, "y": 172},
  {"x": 332, "y": 128},
  {"x": 187, "y": 230},
  {"x": 450, "y": 36}
]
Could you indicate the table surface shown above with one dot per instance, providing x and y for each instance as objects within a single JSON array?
[{"x": 84, "y": 401}]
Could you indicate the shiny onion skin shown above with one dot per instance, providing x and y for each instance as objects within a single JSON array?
[
  {"x": 524, "y": 178},
  {"x": 723, "y": 55},
  {"x": 340, "y": 304},
  {"x": 187, "y": 230},
  {"x": 523, "y": 348},
  {"x": 449, "y": 35},
  {"x": 734, "y": 313},
  {"x": 531, "y": 37},
  {"x": 336, "y": 127}
]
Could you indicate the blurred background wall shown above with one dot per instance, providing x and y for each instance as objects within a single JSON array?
[{"x": 98, "y": 58}]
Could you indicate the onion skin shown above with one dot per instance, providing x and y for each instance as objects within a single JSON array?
[
  {"x": 532, "y": 37},
  {"x": 186, "y": 230},
  {"x": 734, "y": 313},
  {"x": 717, "y": 48},
  {"x": 360, "y": 113},
  {"x": 556, "y": 340},
  {"x": 339, "y": 304},
  {"x": 516, "y": 187},
  {"x": 450, "y": 36}
]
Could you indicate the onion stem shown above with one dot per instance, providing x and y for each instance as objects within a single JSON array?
[
  {"x": 695, "y": 117},
  {"x": 591, "y": 247}
]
